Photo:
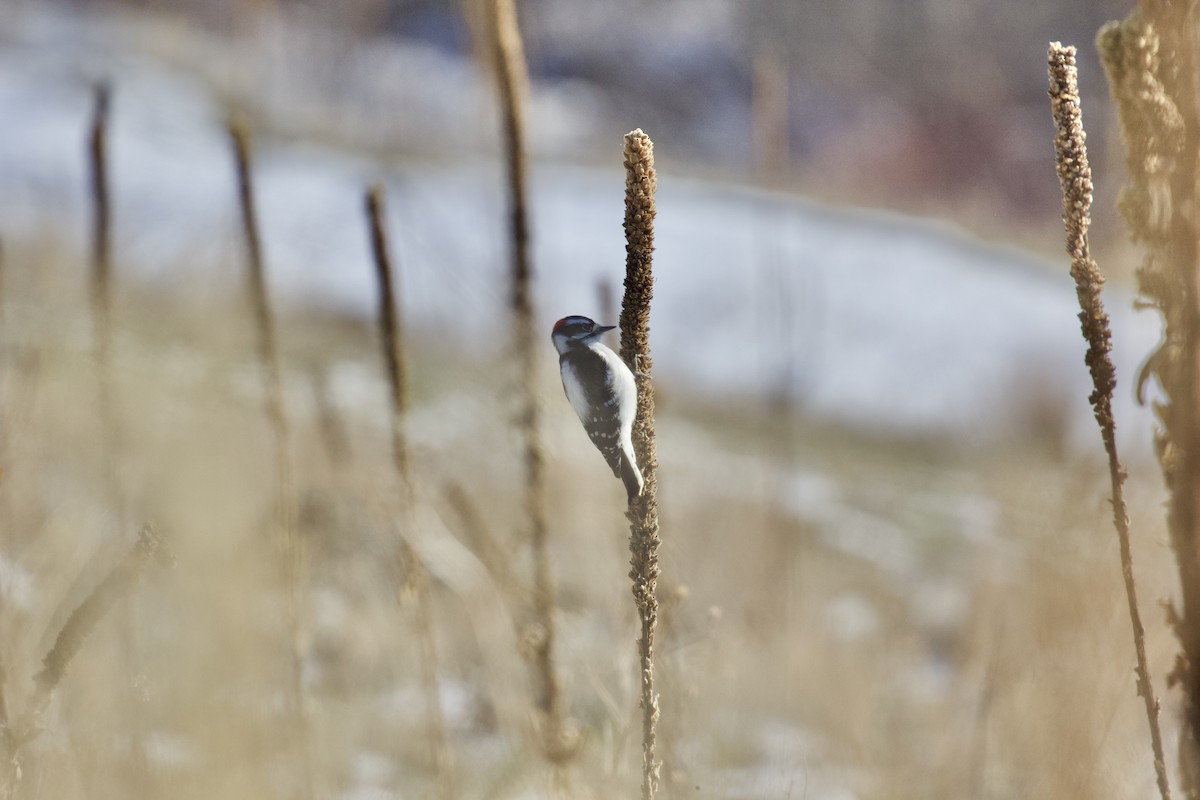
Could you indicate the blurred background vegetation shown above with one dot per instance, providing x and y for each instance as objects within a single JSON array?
[{"x": 865, "y": 595}]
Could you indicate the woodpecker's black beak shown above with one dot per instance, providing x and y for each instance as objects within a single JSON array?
[{"x": 603, "y": 329}]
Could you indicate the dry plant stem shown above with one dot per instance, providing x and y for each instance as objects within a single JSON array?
[
  {"x": 101, "y": 294},
  {"x": 6, "y": 349},
  {"x": 149, "y": 548},
  {"x": 287, "y": 543},
  {"x": 67, "y": 644},
  {"x": 1075, "y": 175},
  {"x": 4, "y": 343},
  {"x": 640, "y": 183},
  {"x": 1149, "y": 58},
  {"x": 111, "y": 456},
  {"x": 513, "y": 79},
  {"x": 390, "y": 335},
  {"x": 268, "y": 354},
  {"x": 268, "y": 348},
  {"x": 101, "y": 207}
]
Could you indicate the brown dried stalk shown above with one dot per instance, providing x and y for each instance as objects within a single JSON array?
[
  {"x": 508, "y": 60},
  {"x": 1075, "y": 175},
  {"x": 1150, "y": 60},
  {"x": 5, "y": 349},
  {"x": 101, "y": 206},
  {"x": 149, "y": 548},
  {"x": 268, "y": 348},
  {"x": 417, "y": 581},
  {"x": 3, "y": 264},
  {"x": 67, "y": 644},
  {"x": 112, "y": 437},
  {"x": 288, "y": 545},
  {"x": 101, "y": 294},
  {"x": 640, "y": 184},
  {"x": 390, "y": 333}
]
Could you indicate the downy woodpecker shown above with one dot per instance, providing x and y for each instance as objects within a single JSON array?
[{"x": 602, "y": 392}]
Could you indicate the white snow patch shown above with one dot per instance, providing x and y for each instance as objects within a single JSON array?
[
  {"x": 457, "y": 700},
  {"x": 16, "y": 585},
  {"x": 940, "y": 605},
  {"x": 850, "y": 617},
  {"x": 874, "y": 539},
  {"x": 792, "y": 763},
  {"x": 813, "y": 496},
  {"x": 167, "y": 749},
  {"x": 373, "y": 769}
]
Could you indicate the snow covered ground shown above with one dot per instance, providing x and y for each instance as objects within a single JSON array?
[{"x": 885, "y": 322}]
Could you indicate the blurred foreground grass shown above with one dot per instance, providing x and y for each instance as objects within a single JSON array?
[{"x": 843, "y": 616}]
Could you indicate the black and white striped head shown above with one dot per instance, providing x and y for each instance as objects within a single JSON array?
[{"x": 570, "y": 332}]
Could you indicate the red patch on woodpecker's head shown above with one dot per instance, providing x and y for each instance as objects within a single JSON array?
[{"x": 574, "y": 321}]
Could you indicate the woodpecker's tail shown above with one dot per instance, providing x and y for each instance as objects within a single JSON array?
[{"x": 631, "y": 476}]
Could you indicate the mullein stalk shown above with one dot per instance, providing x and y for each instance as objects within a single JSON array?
[
  {"x": 508, "y": 61},
  {"x": 640, "y": 184},
  {"x": 1075, "y": 175}
]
